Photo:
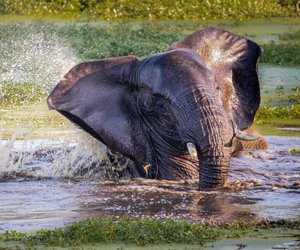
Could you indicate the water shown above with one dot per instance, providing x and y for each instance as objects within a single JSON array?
[
  {"x": 34, "y": 53},
  {"x": 46, "y": 183},
  {"x": 271, "y": 76},
  {"x": 44, "y": 194}
]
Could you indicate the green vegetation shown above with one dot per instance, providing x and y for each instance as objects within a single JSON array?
[
  {"x": 91, "y": 42},
  {"x": 286, "y": 52},
  {"x": 292, "y": 112},
  {"x": 140, "y": 232},
  {"x": 107, "y": 230},
  {"x": 150, "y": 10},
  {"x": 282, "y": 112},
  {"x": 275, "y": 120},
  {"x": 295, "y": 151},
  {"x": 20, "y": 93},
  {"x": 277, "y": 126},
  {"x": 280, "y": 96},
  {"x": 141, "y": 39}
]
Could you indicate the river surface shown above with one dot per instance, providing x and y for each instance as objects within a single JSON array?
[{"x": 48, "y": 184}]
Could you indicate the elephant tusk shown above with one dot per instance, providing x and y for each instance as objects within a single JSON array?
[
  {"x": 244, "y": 136},
  {"x": 192, "y": 150}
]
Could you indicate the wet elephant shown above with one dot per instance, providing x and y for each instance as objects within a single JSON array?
[{"x": 175, "y": 114}]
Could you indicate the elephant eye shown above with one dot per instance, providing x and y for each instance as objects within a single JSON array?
[
  {"x": 161, "y": 108},
  {"x": 229, "y": 144}
]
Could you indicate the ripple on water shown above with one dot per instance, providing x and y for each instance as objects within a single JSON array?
[{"x": 50, "y": 192}]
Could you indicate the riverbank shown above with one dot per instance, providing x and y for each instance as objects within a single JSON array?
[{"x": 157, "y": 234}]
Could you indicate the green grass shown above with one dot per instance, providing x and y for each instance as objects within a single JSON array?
[
  {"x": 146, "y": 39},
  {"x": 20, "y": 93},
  {"x": 107, "y": 230},
  {"x": 91, "y": 42},
  {"x": 267, "y": 113},
  {"x": 142, "y": 39},
  {"x": 272, "y": 127},
  {"x": 140, "y": 232},
  {"x": 150, "y": 10},
  {"x": 286, "y": 52},
  {"x": 269, "y": 120}
]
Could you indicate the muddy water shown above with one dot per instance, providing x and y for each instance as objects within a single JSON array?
[{"x": 47, "y": 184}]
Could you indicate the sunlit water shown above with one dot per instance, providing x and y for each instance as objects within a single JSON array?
[{"x": 47, "y": 190}]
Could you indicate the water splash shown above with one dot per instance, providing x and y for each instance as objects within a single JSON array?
[
  {"x": 34, "y": 53},
  {"x": 83, "y": 159},
  {"x": 91, "y": 160},
  {"x": 37, "y": 53}
]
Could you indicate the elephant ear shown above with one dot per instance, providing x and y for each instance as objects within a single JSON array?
[
  {"x": 94, "y": 95},
  {"x": 233, "y": 60}
]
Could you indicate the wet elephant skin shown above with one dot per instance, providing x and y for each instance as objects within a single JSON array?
[{"x": 201, "y": 91}]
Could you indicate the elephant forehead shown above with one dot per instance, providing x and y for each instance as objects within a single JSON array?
[{"x": 175, "y": 71}]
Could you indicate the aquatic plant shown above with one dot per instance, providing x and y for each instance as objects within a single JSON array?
[
  {"x": 265, "y": 113},
  {"x": 141, "y": 232},
  {"x": 281, "y": 54},
  {"x": 285, "y": 52},
  {"x": 294, "y": 97},
  {"x": 90, "y": 42},
  {"x": 295, "y": 151}
]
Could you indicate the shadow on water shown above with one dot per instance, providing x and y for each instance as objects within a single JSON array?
[{"x": 47, "y": 190}]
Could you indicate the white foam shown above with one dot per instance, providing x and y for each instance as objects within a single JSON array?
[{"x": 34, "y": 53}]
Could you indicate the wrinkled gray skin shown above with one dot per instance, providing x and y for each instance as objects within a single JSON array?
[{"x": 200, "y": 91}]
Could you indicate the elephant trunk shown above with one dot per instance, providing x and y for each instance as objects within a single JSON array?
[
  {"x": 214, "y": 168},
  {"x": 214, "y": 150}
]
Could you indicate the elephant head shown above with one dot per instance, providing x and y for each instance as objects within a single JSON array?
[
  {"x": 233, "y": 61},
  {"x": 174, "y": 114}
]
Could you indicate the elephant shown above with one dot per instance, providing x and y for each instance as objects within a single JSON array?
[
  {"x": 174, "y": 114},
  {"x": 240, "y": 145}
]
